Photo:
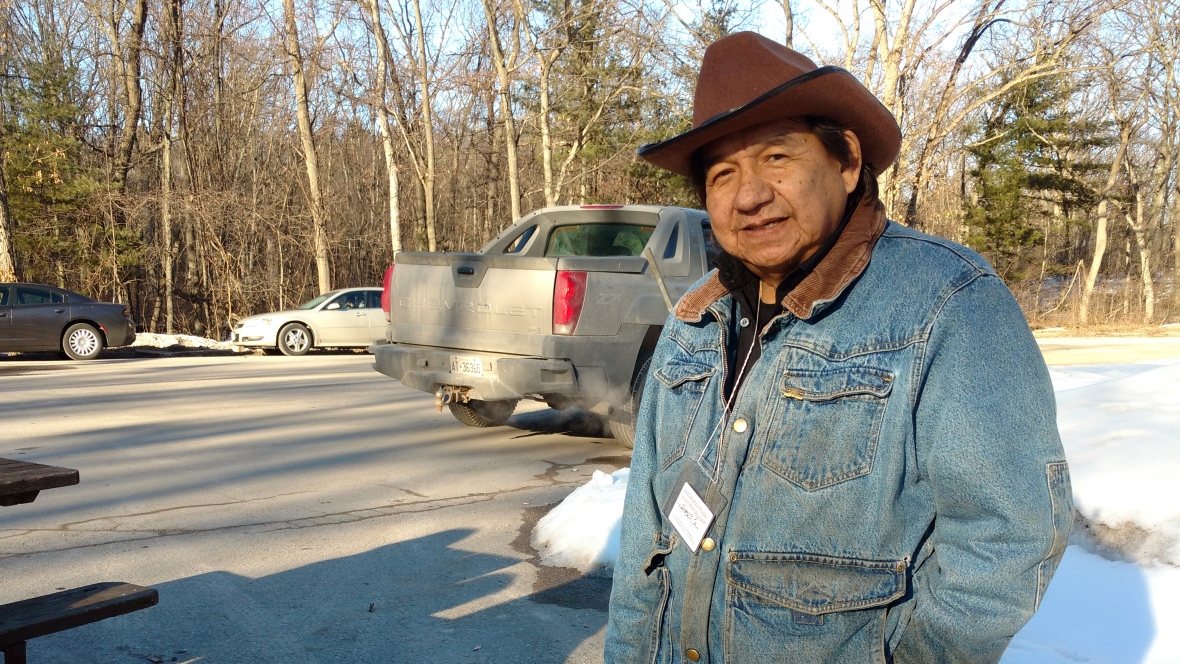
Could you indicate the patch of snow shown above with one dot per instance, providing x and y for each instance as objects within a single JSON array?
[
  {"x": 152, "y": 340},
  {"x": 1104, "y": 612},
  {"x": 1122, "y": 438},
  {"x": 583, "y": 531}
]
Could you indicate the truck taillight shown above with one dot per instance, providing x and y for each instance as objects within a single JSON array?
[
  {"x": 385, "y": 295},
  {"x": 569, "y": 290}
]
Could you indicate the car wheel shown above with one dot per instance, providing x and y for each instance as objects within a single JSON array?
[
  {"x": 81, "y": 342},
  {"x": 477, "y": 413},
  {"x": 622, "y": 421},
  {"x": 294, "y": 339}
]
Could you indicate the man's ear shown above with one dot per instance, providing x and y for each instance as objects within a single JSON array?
[{"x": 851, "y": 172}]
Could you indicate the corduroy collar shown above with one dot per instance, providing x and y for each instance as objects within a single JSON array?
[{"x": 827, "y": 279}]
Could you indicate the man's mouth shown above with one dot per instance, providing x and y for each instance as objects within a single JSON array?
[{"x": 763, "y": 225}]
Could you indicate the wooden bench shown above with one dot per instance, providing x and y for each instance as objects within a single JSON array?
[{"x": 48, "y": 614}]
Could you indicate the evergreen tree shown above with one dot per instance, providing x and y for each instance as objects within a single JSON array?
[
  {"x": 57, "y": 231},
  {"x": 1032, "y": 159}
]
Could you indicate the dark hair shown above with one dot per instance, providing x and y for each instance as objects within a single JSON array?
[{"x": 830, "y": 135}]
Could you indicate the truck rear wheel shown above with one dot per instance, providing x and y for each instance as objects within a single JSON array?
[
  {"x": 622, "y": 421},
  {"x": 477, "y": 413}
]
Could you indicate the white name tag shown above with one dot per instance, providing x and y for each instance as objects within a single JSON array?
[{"x": 690, "y": 517}]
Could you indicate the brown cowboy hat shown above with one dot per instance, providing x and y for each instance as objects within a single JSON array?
[{"x": 747, "y": 80}]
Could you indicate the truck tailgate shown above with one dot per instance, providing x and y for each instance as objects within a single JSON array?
[{"x": 500, "y": 304}]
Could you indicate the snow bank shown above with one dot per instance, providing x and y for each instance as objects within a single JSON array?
[
  {"x": 1120, "y": 425},
  {"x": 583, "y": 531},
  {"x": 1103, "y": 612},
  {"x": 152, "y": 340}
]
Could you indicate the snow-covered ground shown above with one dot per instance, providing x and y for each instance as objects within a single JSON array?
[
  {"x": 1116, "y": 596},
  {"x": 151, "y": 340}
]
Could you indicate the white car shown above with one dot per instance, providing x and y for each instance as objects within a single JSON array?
[{"x": 350, "y": 317}]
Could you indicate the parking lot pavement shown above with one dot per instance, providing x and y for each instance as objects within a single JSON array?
[{"x": 293, "y": 510}]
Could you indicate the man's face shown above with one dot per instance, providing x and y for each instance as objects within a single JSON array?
[{"x": 774, "y": 194}]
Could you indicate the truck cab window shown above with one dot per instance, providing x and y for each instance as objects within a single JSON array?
[
  {"x": 673, "y": 240},
  {"x": 521, "y": 241},
  {"x": 598, "y": 240},
  {"x": 711, "y": 248}
]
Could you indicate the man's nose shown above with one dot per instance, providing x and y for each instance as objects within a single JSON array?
[{"x": 753, "y": 190}]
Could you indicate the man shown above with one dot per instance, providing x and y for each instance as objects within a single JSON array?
[{"x": 847, "y": 448}]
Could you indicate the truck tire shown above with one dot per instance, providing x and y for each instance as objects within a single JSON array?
[
  {"x": 622, "y": 421},
  {"x": 477, "y": 413}
]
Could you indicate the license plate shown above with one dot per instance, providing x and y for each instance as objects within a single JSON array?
[{"x": 472, "y": 366}]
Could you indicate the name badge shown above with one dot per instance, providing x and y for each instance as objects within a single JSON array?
[{"x": 690, "y": 516}]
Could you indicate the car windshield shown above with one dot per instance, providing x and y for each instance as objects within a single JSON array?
[
  {"x": 312, "y": 304},
  {"x": 598, "y": 240}
]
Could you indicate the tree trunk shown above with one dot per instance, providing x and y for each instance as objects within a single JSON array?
[
  {"x": 1176, "y": 248},
  {"x": 428, "y": 127},
  {"x": 1144, "y": 261},
  {"x": 310, "y": 159},
  {"x": 891, "y": 80},
  {"x": 132, "y": 91},
  {"x": 383, "y": 58},
  {"x": 1139, "y": 230},
  {"x": 551, "y": 194},
  {"x": 1100, "y": 231},
  {"x": 7, "y": 254},
  {"x": 504, "y": 82},
  {"x": 166, "y": 220},
  {"x": 789, "y": 20}
]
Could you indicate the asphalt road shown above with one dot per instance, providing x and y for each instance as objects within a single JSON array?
[
  {"x": 308, "y": 510},
  {"x": 293, "y": 510}
]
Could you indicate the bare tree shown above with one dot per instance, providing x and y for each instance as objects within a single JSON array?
[
  {"x": 7, "y": 256},
  {"x": 506, "y": 64},
  {"x": 126, "y": 61},
  {"x": 379, "y": 107},
  {"x": 310, "y": 157},
  {"x": 789, "y": 24},
  {"x": 1103, "y": 218}
]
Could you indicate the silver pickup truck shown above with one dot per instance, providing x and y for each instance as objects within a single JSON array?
[{"x": 564, "y": 307}]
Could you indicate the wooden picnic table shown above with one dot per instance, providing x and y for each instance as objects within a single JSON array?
[{"x": 20, "y": 481}]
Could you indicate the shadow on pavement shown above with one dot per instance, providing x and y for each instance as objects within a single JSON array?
[{"x": 421, "y": 600}]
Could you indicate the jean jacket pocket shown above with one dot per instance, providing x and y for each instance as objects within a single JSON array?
[
  {"x": 821, "y": 605},
  {"x": 656, "y": 568},
  {"x": 682, "y": 387},
  {"x": 826, "y": 425}
]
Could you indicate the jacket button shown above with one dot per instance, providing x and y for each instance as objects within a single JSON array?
[
  {"x": 740, "y": 426},
  {"x": 707, "y": 544},
  {"x": 692, "y": 654}
]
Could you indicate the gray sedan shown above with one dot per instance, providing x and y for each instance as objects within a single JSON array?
[
  {"x": 35, "y": 317},
  {"x": 346, "y": 318}
]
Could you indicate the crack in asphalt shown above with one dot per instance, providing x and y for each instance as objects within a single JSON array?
[
  {"x": 326, "y": 519},
  {"x": 69, "y": 526}
]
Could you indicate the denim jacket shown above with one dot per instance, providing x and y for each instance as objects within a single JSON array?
[{"x": 888, "y": 487}]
